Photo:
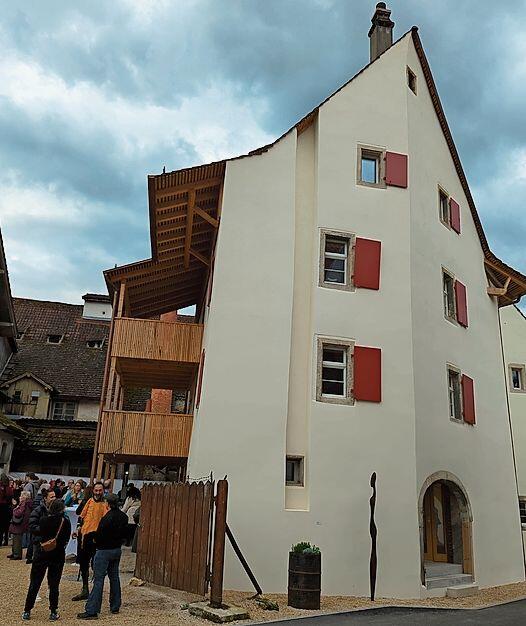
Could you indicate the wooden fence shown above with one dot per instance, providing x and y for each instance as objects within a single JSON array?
[{"x": 175, "y": 535}]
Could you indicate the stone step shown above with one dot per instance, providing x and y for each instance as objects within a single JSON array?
[
  {"x": 437, "y": 582},
  {"x": 462, "y": 591},
  {"x": 442, "y": 569}
]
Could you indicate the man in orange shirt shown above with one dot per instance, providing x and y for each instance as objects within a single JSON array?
[{"x": 92, "y": 512}]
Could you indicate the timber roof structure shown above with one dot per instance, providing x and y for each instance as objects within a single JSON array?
[
  {"x": 185, "y": 208},
  {"x": 70, "y": 367},
  {"x": 11, "y": 427}
]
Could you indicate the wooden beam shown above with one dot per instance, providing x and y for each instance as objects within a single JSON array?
[
  {"x": 206, "y": 216},
  {"x": 202, "y": 184},
  {"x": 160, "y": 205},
  {"x": 189, "y": 227},
  {"x": 503, "y": 271},
  {"x": 499, "y": 291},
  {"x": 200, "y": 257}
]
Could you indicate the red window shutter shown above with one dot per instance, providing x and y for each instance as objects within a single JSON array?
[
  {"x": 200, "y": 379},
  {"x": 367, "y": 373},
  {"x": 454, "y": 213},
  {"x": 396, "y": 169},
  {"x": 468, "y": 400},
  {"x": 367, "y": 263},
  {"x": 462, "y": 303}
]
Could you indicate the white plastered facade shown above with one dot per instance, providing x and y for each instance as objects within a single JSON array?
[
  {"x": 513, "y": 327},
  {"x": 267, "y": 310}
]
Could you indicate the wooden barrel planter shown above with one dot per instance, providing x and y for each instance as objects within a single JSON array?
[{"x": 304, "y": 581}]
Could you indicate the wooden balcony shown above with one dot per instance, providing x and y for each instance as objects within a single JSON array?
[
  {"x": 127, "y": 436},
  {"x": 151, "y": 353}
]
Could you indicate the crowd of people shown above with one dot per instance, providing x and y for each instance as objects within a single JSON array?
[{"x": 33, "y": 513}]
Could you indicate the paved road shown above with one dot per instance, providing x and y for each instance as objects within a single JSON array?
[{"x": 513, "y": 614}]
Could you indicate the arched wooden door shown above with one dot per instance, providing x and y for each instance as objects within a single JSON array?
[{"x": 435, "y": 523}]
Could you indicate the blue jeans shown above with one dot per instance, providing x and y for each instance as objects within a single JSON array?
[{"x": 105, "y": 562}]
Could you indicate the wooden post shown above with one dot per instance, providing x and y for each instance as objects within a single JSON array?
[
  {"x": 218, "y": 557},
  {"x": 94, "y": 462}
]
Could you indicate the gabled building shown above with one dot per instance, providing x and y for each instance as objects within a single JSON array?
[
  {"x": 9, "y": 431},
  {"x": 347, "y": 323},
  {"x": 513, "y": 325},
  {"x": 52, "y": 386}
]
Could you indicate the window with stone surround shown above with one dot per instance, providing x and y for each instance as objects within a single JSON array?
[{"x": 334, "y": 371}]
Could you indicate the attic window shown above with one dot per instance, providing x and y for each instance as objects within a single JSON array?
[
  {"x": 20, "y": 335},
  {"x": 95, "y": 343},
  {"x": 411, "y": 80},
  {"x": 55, "y": 339}
]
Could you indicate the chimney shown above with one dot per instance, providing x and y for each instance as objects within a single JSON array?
[{"x": 381, "y": 32}]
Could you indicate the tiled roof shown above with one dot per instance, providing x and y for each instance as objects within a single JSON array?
[
  {"x": 58, "y": 435},
  {"x": 72, "y": 368},
  {"x": 11, "y": 426}
]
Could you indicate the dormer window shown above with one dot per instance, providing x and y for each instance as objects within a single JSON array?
[
  {"x": 56, "y": 339},
  {"x": 20, "y": 335},
  {"x": 95, "y": 343}
]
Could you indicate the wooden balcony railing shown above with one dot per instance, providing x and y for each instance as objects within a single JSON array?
[
  {"x": 155, "y": 340},
  {"x": 134, "y": 434}
]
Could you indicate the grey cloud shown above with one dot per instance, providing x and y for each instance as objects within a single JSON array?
[{"x": 288, "y": 53}]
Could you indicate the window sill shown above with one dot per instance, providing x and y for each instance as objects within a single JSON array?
[
  {"x": 451, "y": 320},
  {"x": 460, "y": 422},
  {"x": 362, "y": 183},
  {"x": 518, "y": 391},
  {"x": 341, "y": 401},
  {"x": 337, "y": 287}
]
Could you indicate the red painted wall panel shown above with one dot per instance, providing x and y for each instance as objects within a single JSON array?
[
  {"x": 367, "y": 374},
  {"x": 468, "y": 399},
  {"x": 367, "y": 263},
  {"x": 396, "y": 169},
  {"x": 462, "y": 303},
  {"x": 454, "y": 212}
]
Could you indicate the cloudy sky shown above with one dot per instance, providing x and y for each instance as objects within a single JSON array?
[{"x": 96, "y": 95}]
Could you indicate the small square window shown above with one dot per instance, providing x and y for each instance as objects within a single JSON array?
[
  {"x": 20, "y": 335},
  {"x": 336, "y": 250},
  {"x": 294, "y": 471},
  {"x": 334, "y": 371},
  {"x": 443, "y": 202},
  {"x": 55, "y": 339},
  {"x": 411, "y": 80},
  {"x": 517, "y": 378},
  {"x": 454, "y": 394},
  {"x": 448, "y": 288},
  {"x": 35, "y": 395},
  {"x": 95, "y": 343},
  {"x": 17, "y": 396},
  {"x": 371, "y": 169}
]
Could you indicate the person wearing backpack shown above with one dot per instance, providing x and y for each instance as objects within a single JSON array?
[
  {"x": 20, "y": 524},
  {"x": 54, "y": 532}
]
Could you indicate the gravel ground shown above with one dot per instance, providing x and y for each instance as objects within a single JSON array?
[{"x": 153, "y": 606}]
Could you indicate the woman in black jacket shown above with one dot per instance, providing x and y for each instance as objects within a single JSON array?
[{"x": 53, "y": 526}]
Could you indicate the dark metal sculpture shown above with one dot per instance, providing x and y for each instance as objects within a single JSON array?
[{"x": 373, "y": 563}]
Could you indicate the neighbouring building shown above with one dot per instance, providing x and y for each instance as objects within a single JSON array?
[
  {"x": 513, "y": 326},
  {"x": 52, "y": 385},
  {"x": 9, "y": 431},
  {"x": 347, "y": 322}
]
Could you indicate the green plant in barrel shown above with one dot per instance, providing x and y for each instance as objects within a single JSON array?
[{"x": 304, "y": 576}]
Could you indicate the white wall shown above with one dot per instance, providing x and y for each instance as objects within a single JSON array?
[
  {"x": 258, "y": 399},
  {"x": 88, "y": 410},
  {"x": 513, "y": 325},
  {"x": 97, "y": 310},
  {"x": 480, "y": 456}
]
